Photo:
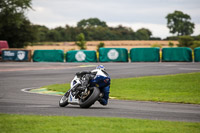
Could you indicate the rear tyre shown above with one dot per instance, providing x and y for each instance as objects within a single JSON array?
[{"x": 92, "y": 98}]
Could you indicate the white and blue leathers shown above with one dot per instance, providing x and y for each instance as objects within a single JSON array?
[{"x": 102, "y": 81}]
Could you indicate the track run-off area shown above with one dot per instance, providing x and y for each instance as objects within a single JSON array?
[{"x": 18, "y": 76}]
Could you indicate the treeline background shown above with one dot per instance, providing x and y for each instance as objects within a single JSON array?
[{"x": 93, "y": 29}]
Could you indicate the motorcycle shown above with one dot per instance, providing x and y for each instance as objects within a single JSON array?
[{"x": 85, "y": 96}]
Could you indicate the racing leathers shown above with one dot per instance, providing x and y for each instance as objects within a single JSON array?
[{"x": 102, "y": 82}]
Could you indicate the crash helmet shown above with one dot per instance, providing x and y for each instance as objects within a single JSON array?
[{"x": 101, "y": 67}]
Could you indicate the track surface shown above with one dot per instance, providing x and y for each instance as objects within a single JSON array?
[{"x": 17, "y": 76}]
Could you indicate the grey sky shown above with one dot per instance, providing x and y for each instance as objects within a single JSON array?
[{"x": 132, "y": 13}]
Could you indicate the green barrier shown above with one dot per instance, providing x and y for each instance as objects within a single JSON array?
[
  {"x": 182, "y": 54},
  {"x": 197, "y": 54},
  {"x": 113, "y": 55},
  {"x": 48, "y": 56},
  {"x": 81, "y": 56},
  {"x": 145, "y": 54}
]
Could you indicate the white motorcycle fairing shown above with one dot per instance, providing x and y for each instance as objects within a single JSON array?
[{"x": 74, "y": 83}]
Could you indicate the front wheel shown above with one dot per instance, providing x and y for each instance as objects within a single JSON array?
[
  {"x": 91, "y": 99},
  {"x": 64, "y": 100}
]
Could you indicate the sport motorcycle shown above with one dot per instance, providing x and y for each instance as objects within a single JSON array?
[{"x": 85, "y": 95}]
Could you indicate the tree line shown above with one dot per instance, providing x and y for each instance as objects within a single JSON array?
[
  {"x": 93, "y": 29},
  {"x": 19, "y": 31}
]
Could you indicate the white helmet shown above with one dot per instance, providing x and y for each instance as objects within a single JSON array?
[{"x": 101, "y": 67}]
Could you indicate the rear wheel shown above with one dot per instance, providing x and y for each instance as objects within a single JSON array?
[{"x": 91, "y": 99}]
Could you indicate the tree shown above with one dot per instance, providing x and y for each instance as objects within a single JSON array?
[
  {"x": 97, "y": 33},
  {"x": 42, "y": 33},
  {"x": 179, "y": 23},
  {"x": 72, "y": 32},
  {"x": 14, "y": 26},
  {"x": 54, "y": 36},
  {"x": 185, "y": 41},
  {"x": 81, "y": 41},
  {"x": 171, "y": 44},
  {"x": 123, "y": 33},
  {"x": 100, "y": 45},
  {"x": 143, "y": 34},
  {"x": 12, "y": 11},
  {"x": 93, "y": 29},
  {"x": 91, "y": 22}
]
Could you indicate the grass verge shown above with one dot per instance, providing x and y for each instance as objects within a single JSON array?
[
  {"x": 178, "y": 88},
  {"x": 52, "y": 124}
]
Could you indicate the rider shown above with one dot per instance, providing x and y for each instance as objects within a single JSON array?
[{"x": 104, "y": 83}]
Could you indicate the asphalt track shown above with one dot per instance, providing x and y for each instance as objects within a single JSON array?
[{"x": 17, "y": 76}]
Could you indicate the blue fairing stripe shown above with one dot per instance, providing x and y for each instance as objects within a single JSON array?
[{"x": 101, "y": 81}]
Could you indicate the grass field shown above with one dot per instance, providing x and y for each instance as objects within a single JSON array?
[
  {"x": 61, "y": 124},
  {"x": 179, "y": 88},
  {"x": 92, "y": 45}
]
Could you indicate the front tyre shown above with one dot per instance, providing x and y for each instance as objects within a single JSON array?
[
  {"x": 63, "y": 101},
  {"x": 91, "y": 99}
]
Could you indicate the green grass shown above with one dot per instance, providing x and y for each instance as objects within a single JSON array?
[
  {"x": 178, "y": 88},
  {"x": 55, "y": 124},
  {"x": 181, "y": 88},
  {"x": 58, "y": 87}
]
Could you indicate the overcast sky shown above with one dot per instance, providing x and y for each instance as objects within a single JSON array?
[{"x": 132, "y": 13}]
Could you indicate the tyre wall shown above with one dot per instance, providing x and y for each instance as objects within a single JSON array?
[
  {"x": 180, "y": 54},
  {"x": 113, "y": 55},
  {"x": 48, "y": 56},
  {"x": 81, "y": 56},
  {"x": 197, "y": 54},
  {"x": 145, "y": 54}
]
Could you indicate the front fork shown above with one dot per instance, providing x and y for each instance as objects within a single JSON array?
[{"x": 67, "y": 93}]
